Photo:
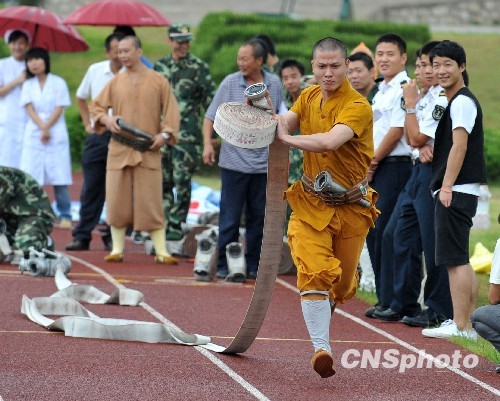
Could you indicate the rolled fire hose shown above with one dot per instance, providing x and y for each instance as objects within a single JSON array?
[{"x": 251, "y": 127}]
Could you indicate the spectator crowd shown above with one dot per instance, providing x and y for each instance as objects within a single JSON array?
[{"x": 412, "y": 148}]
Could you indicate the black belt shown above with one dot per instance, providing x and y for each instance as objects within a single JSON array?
[{"x": 394, "y": 159}]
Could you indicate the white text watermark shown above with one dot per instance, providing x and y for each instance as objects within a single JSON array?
[{"x": 394, "y": 359}]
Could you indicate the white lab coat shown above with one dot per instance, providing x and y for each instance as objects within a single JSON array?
[
  {"x": 49, "y": 163},
  {"x": 13, "y": 117}
]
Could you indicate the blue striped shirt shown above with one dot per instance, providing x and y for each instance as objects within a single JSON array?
[{"x": 231, "y": 89}]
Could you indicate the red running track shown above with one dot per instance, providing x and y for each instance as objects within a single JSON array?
[{"x": 39, "y": 365}]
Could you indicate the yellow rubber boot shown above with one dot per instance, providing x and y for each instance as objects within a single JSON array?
[
  {"x": 118, "y": 238},
  {"x": 162, "y": 255}
]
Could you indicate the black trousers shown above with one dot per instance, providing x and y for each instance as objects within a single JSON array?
[{"x": 94, "y": 158}]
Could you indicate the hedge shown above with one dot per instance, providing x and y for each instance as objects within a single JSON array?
[
  {"x": 492, "y": 154},
  {"x": 221, "y": 34}
]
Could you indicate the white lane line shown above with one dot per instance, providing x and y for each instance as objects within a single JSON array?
[
  {"x": 404, "y": 344},
  {"x": 216, "y": 361}
]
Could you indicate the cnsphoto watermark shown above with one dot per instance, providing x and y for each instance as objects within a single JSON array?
[{"x": 395, "y": 359}]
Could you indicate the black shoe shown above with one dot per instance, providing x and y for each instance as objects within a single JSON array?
[
  {"x": 108, "y": 242},
  {"x": 426, "y": 319},
  {"x": 388, "y": 315},
  {"x": 371, "y": 310},
  {"x": 77, "y": 245}
]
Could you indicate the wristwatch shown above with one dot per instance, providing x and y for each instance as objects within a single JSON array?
[
  {"x": 411, "y": 111},
  {"x": 165, "y": 136}
]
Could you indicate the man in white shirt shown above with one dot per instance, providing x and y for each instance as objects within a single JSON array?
[
  {"x": 95, "y": 151},
  {"x": 391, "y": 164},
  {"x": 458, "y": 169}
]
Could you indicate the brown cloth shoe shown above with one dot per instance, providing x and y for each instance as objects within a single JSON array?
[
  {"x": 166, "y": 260},
  {"x": 322, "y": 363},
  {"x": 114, "y": 257}
]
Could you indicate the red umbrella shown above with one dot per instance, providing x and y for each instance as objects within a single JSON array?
[
  {"x": 117, "y": 12},
  {"x": 45, "y": 29}
]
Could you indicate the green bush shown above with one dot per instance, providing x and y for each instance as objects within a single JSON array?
[
  {"x": 221, "y": 34},
  {"x": 492, "y": 154},
  {"x": 77, "y": 135},
  {"x": 4, "y": 51}
]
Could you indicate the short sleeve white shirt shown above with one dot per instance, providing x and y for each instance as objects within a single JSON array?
[
  {"x": 432, "y": 107},
  {"x": 95, "y": 79},
  {"x": 463, "y": 113},
  {"x": 495, "y": 265},
  {"x": 388, "y": 112}
]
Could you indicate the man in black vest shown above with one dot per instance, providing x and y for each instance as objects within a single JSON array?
[{"x": 458, "y": 168}]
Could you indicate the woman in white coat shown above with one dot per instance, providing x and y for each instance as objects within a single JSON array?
[
  {"x": 46, "y": 151},
  {"x": 12, "y": 115}
]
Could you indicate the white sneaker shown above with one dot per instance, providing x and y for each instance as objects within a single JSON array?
[{"x": 449, "y": 329}]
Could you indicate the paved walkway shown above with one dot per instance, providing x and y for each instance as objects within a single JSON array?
[{"x": 193, "y": 11}]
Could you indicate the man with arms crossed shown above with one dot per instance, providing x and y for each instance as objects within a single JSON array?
[{"x": 335, "y": 123}]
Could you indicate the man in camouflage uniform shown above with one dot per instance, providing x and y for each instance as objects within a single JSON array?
[
  {"x": 194, "y": 89},
  {"x": 26, "y": 210}
]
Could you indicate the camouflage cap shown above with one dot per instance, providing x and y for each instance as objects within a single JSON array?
[{"x": 180, "y": 32}]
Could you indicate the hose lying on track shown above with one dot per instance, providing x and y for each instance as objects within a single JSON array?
[{"x": 79, "y": 322}]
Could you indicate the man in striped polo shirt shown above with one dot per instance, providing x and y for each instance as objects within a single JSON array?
[{"x": 243, "y": 171}]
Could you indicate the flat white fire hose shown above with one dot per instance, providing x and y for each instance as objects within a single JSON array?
[{"x": 76, "y": 321}]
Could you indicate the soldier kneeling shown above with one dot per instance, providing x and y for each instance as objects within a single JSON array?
[{"x": 27, "y": 214}]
